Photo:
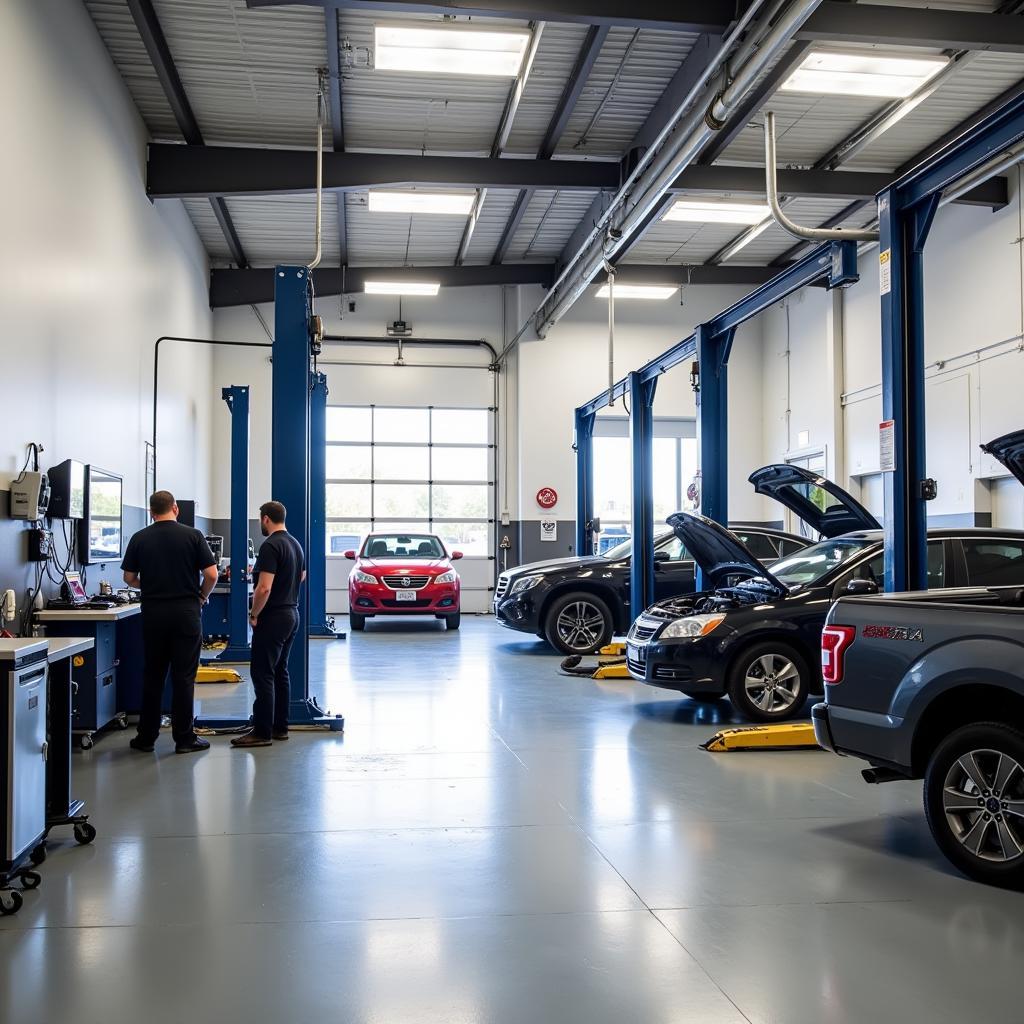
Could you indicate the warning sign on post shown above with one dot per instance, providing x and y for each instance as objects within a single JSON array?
[
  {"x": 887, "y": 446},
  {"x": 885, "y": 272}
]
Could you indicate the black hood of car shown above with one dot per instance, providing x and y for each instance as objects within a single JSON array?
[
  {"x": 721, "y": 555},
  {"x": 558, "y": 564},
  {"x": 795, "y": 487},
  {"x": 1009, "y": 450}
]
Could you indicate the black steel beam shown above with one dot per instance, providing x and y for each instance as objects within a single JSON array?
[
  {"x": 184, "y": 171},
  {"x": 838, "y": 22},
  {"x": 245, "y": 287},
  {"x": 692, "y": 16},
  {"x": 834, "y": 21},
  {"x": 155, "y": 42},
  {"x": 577, "y": 80}
]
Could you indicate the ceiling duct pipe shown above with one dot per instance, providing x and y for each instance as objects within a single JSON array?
[
  {"x": 799, "y": 230},
  {"x": 675, "y": 148}
]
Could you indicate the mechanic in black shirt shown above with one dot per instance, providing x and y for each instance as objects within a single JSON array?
[
  {"x": 167, "y": 560},
  {"x": 280, "y": 570}
]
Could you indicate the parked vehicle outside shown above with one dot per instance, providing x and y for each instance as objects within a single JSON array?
[
  {"x": 403, "y": 574},
  {"x": 578, "y": 604}
]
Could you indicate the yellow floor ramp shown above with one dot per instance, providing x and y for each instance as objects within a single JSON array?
[
  {"x": 784, "y": 736},
  {"x": 211, "y": 674},
  {"x": 611, "y": 664}
]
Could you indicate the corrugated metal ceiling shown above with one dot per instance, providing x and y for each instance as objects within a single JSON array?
[{"x": 251, "y": 76}]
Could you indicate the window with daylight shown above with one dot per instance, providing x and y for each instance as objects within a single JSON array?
[
  {"x": 675, "y": 468},
  {"x": 412, "y": 470}
]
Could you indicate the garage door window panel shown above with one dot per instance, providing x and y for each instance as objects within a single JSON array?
[
  {"x": 349, "y": 462},
  {"x": 349, "y": 501},
  {"x": 400, "y": 463}
]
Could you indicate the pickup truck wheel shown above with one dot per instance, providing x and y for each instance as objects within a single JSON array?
[
  {"x": 578, "y": 623},
  {"x": 974, "y": 802},
  {"x": 768, "y": 682}
]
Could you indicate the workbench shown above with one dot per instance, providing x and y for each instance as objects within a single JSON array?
[{"x": 109, "y": 674}]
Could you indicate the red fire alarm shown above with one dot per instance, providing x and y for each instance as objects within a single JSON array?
[{"x": 547, "y": 497}]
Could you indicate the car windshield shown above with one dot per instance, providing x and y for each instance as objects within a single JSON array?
[
  {"x": 402, "y": 545},
  {"x": 625, "y": 549},
  {"x": 811, "y": 564}
]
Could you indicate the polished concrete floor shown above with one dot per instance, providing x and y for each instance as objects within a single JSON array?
[{"x": 493, "y": 842}]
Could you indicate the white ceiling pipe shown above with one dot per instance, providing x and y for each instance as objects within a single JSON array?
[
  {"x": 799, "y": 230},
  {"x": 692, "y": 134}
]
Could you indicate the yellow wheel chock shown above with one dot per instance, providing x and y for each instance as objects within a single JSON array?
[
  {"x": 611, "y": 664},
  {"x": 784, "y": 736},
  {"x": 213, "y": 674}
]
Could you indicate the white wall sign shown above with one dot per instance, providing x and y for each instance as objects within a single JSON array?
[
  {"x": 887, "y": 446},
  {"x": 549, "y": 529}
]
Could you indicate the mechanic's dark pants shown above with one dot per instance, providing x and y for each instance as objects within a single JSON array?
[
  {"x": 272, "y": 639},
  {"x": 172, "y": 637}
]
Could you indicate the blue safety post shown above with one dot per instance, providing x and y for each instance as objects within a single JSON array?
[
  {"x": 320, "y": 623},
  {"x": 239, "y": 633},
  {"x": 292, "y": 354},
  {"x": 641, "y": 443},
  {"x": 584, "y": 446},
  {"x": 906, "y": 211},
  {"x": 713, "y": 423}
]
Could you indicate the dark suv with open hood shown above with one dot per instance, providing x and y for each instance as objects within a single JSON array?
[
  {"x": 755, "y": 633},
  {"x": 579, "y": 603}
]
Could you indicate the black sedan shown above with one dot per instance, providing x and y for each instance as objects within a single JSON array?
[
  {"x": 755, "y": 634},
  {"x": 579, "y": 604}
]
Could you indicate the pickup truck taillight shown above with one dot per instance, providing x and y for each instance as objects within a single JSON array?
[{"x": 834, "y": 642}]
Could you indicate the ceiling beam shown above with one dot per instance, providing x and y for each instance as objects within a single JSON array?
[
  {"x": 245, "y": 287},
  {"x": 577, "y": 80},
  {"x": 690, "y": 16},
  {"x": 155, "y": 42},
  {"x": 218, "y": 171},
  {"x": 332, "y": 28},
  {"x": 187, "y": 171},
  {"x": 835, "y": 21}
]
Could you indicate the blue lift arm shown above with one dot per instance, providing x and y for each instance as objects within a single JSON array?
[
  {"x": 641, "y": 441},
  {"x": 237, "y": 399},
  {"x": 584, "y": 446},
  {"x": 320, "y": 624}
]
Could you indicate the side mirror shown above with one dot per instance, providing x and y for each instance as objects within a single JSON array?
[
  {"x": 862, "y": 587},
  {"x": 456, "y": 555},
  {"x": 350, "y": 555},
  {"x": 661, "y": 556}
]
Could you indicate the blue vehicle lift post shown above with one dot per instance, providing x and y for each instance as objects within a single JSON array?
[
  {"x": 320, "y": 624},
  {"x": 906, "y": 211},
  {"x": 834, "y": 264},
  {"x": 584, "y": 446},
  {"x": 641, "y": 441},
  {"x": 293, "y": 352},
  {"x": 237, "y": 650}
]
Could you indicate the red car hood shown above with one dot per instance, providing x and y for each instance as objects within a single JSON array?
[{"x": 394, "y": 566}]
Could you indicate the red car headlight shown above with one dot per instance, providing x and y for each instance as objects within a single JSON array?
[
  {"x": 363, "y": 577},
  {"x": 446, "y": 577}
]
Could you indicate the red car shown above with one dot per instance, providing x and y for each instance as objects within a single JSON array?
[{"x": 403, "y": 574}]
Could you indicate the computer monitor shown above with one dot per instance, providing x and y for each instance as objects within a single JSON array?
[
  {"x": 67, "y": 490},
  {"x": 101, "y": 534}
]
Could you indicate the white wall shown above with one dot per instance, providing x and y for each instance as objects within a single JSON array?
[
  {"x": 91, "y": 272},
  {"x": 974, "y": 301}
]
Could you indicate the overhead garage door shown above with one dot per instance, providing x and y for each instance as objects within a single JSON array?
[{"x": 416, "y": 468}]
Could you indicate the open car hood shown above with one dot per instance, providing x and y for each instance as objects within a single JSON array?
[
  {"x": 804, "y": 493},
  {"x": 1009, "y": 450},
  {"x": 721, "y": 555}
]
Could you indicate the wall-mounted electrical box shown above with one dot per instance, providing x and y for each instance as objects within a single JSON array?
[{"x": 30, "y": 495}]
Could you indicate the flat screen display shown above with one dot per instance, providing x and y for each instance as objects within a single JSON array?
[{"x": 103, "y": 534}]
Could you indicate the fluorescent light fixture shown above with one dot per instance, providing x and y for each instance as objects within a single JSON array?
[
  {"x": 402, "y": 287},
  {"x": 864, "y": 73},
  {"x": 747, "y": 237},
  {"x": 717, "y": 211},
  {"x": 439, "y": 49},
  {"x": 638, "y": 291},
  {"x": 455, "y": 204}
]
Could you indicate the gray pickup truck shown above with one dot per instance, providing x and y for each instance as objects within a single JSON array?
[{"x": 931, "y": 685}]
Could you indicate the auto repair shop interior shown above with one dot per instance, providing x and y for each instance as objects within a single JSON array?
[{"x": 642, "y": 382}]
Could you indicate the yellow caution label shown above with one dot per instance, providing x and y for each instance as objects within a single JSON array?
[{"x": 78, "y": 661}]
